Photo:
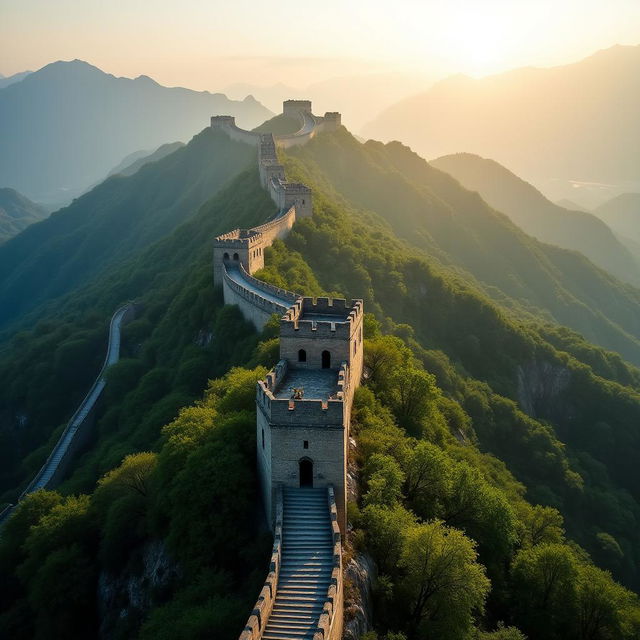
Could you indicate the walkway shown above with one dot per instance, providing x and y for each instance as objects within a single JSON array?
[
  {"x": 50, "y": 467},
  {"x": 251, "y": 285},
  {"x": 307, "y": 562}
]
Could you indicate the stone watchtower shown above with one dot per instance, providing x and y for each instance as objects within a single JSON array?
[
  {"x": 292, "y": 108},
  {"x": 304, "y": 405}
]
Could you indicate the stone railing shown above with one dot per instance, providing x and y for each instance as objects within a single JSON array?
[
  {"x": 287, "y": 297},
  {"x": 262, "y": 610},
  {"x": 331, "y": 619}
]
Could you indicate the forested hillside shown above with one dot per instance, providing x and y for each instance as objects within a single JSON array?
[
  {"x": 433, "y": 212},
  {"x": 522, "y": 446},
  {"x": 114, "y": 220},
  {"x": 541, "y": 218}
]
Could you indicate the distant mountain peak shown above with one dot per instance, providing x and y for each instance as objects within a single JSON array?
[{"x": 147, "y": 80}]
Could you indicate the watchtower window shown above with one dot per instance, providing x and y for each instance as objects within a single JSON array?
[
  {"x": 236, "y": 256},
  {"x": 226, "y": 256},
  {"x": 302, "y": 355},
  {"x": 305, "y": 444},
  {"x": 326, "y": 360}
]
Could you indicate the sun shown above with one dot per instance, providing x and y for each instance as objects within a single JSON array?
[{"x": 479, "y": 43}]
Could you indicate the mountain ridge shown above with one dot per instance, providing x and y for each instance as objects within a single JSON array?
[
  {"x": 66, "y": 125},
  {"x": 579, "y": 116},
  {"x": 539, "y": 217}
]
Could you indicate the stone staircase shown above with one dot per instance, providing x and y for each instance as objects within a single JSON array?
[{"x": 307, "y": 562}]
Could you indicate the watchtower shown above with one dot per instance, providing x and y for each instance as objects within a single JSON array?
[
  {"x": 332, "y": 120},
  {"x": 291, "y": 108},
  {"x": 304, "y": 404}
]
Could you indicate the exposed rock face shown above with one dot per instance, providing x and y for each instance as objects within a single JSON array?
[
  {"x": 360, "y": 574},
  {"x": 352, "y": 473},
  {"x": 540, "y": 385},
  {"x": 125, "y": 598}
]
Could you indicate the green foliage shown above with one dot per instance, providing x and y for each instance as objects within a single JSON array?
[
  {"x": 442, "y": 584},
  {"x": 578, "y": 453},
  {"x": 195, "y": 497}
]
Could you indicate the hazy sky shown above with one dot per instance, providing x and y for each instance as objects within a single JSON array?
[{"x": 207, "y": 44}]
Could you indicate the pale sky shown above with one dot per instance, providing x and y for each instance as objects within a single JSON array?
[{"x": 208, "y": 44}]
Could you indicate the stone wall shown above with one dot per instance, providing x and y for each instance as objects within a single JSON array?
[
  {"x": 331, "y": 621},
  {"x": 228, "y": 125},
  {"x": 255, "y": 307},
  {"x": 264, "y": 605}
]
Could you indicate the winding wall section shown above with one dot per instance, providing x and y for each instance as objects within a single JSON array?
[
  {"x": 79, "y": 426},
  {"x": 302, "y": 596}
]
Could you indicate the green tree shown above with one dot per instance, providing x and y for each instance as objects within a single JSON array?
[
  {"x": 544, "y": 590},
  {"x": 384, "y": 480},
  {"x": 443, "y": 584}
]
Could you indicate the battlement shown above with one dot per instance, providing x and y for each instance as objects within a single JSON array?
[
  {"x": 321, "y": 317},
  {"x": 302, "y": 412},
  {"x": 239, "y": 238},
  {"x": 223, "y": 121}
]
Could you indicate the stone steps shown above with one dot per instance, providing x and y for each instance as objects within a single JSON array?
[{"x": 307, "y": 562}]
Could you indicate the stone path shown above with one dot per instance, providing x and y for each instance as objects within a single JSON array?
[{"x": 307, "y": 562}]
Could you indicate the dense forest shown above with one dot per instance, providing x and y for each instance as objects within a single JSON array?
[{"x": 494, "y": 507}]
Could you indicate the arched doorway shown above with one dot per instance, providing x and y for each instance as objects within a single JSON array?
[
  {"x": 302, "y": 355},
  {"x": 306, "y": 472},
  {"x": 326, "y": 360},
  {"x": 236, "y": 256}
]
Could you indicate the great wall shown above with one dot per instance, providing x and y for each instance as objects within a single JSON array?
[
  {"x": 303, "y": 405},
  {"x": 79, "y": 427}
]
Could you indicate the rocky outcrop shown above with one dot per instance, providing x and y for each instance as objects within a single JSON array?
[
  {"x": 540, "y": 386},
  {"x": 360, "y": 576},
  {"x": 125, "y": 598}
]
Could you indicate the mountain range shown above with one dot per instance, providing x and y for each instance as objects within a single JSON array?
[
  {"x": 17, "y": 212},
  {"x": 622, "y": 214},
  {"x": 570, "y": 130},
  {"x": 66, "y": 125},
  {"x": 541, "y": 218}
]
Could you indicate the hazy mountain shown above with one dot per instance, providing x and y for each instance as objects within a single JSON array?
[
  {"x": 567, "y": 129},
  {"x": 134, "y": 161},
  {"x": 17, "y": 212},
  {"x": 5, "y": 81},
  {"x": 539, "y": 217},
  {"x": 120, "y": 216},
  {"x": 65, "y": 126},
  {"x": 565, "y": 203},
  {"x": 622, "y": 214}
]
